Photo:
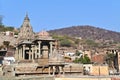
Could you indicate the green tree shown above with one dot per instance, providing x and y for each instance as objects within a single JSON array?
[
  {"x": 1, "y": 27},
  {"x": 65, "y": 42},
  {"x": 110, "y": 59},
  {"x": 84, "y": 60},
  {"x": 77, "y": 60},
  {"x": 78, "y": 53},
  {"x": 9, "y": 28},
  {"x": 77, "y": 41},
  {"x": 91, "y": 43}
]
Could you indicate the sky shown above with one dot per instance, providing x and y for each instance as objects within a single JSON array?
[{"x": 56, "y": 14}]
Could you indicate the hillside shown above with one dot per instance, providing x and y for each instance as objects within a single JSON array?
[
  {"x": 88, "y": 32},
  {"x": 6, "y": 28}
]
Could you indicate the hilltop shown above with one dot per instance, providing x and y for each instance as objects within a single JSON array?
[{"x": 88, "y": 32}]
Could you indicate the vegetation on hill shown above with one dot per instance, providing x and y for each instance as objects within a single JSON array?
[
  {"x": 6, "y": 28},
  {"x": 67, "y": 41},
  {"x": 64, "y": 41},
  {"x": 87, "y": 38},
  {"x": 89, "y": 32}
]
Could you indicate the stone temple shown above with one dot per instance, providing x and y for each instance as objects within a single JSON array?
[{"x": 37, "y": 53}]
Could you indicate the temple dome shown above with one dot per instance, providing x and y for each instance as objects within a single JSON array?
[{"x": 43, "y": 33}]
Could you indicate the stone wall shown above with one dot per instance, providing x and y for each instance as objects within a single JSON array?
[
  {"x": 99, "y": 70},
  {"x": 115, "y": 78},
  {"x": 3, "y": 38},
  {"x": 73, "y": 68},
  {"x": 83, "y": 78},
  {"x": 28, "y": 78}
]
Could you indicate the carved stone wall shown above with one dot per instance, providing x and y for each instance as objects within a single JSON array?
[{"x": 26, "y": 31}]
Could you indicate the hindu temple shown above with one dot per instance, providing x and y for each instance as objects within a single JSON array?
[{"x": 36, "y": 53}]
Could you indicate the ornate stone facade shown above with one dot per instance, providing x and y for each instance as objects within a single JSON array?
[{"x": 26, "y": 31}]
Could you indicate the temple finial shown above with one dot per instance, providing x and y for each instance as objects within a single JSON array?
[{"x": 26, "y": 17}]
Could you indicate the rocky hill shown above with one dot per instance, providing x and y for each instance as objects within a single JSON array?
[{"x": 88, "y": 32}]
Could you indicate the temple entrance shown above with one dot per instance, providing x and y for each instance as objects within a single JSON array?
[
  {"x": 57, "y": 70},
  {"x": 26, "y": 54}
]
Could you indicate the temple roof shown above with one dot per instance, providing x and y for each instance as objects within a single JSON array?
[
  {"x": 26, "y": 31},
  {"x": 43, "y": 34}
]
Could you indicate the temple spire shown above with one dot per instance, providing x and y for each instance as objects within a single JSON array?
[
  {"x": 26, "y": 17},
  {"x": 26, "y": 31}
]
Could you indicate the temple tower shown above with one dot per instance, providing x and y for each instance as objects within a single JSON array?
[{"x": 26, "y": 31}]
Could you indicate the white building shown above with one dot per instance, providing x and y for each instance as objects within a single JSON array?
[{"x": 8, "y": 60}]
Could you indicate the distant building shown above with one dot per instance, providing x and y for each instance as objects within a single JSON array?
[
  {"x": 99, "y": 70},
  {"x": 95, "y": 70},
  {"x": 8, "y": 60},
  {"x": 98, "y": 58},
  {"x": 8, "y": 33},
  {"x": 69, "y": 54},
  {"x": 87, "y": 52}
]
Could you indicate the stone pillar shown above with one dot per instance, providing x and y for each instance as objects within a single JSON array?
[
  {"x": 53, "y": 70},
  {"x": 63, "y": 70},
  {"x": 35, "y": 53},
  {"x": 16, "y": 54},
  {"x": 29, "y": 54},
  {"x": 23, "y": 53},
  {"x": 51, "y": 47},
  {"x": 20, "y": 53},
  {"x": 39, "y": 48},
  {"x": 60, "y": 68},
  {"x": 13, "y": 71},
  {"x": 49, "y": 70},
  {"x": 32, "y": 52}
]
